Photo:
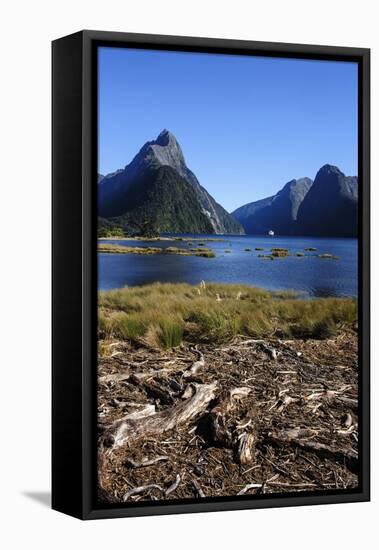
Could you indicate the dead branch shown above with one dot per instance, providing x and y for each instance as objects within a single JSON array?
[
  {"x": 142, "y": 489},
  {"x": 248, "y": 487},
  {"x": 198, "y": 489},
  {"x": 245, "y": 448},
  {"x": 173, "y": 486},
  {"x": 133, "y": 464},
  {"x": 348, "y": 457}
]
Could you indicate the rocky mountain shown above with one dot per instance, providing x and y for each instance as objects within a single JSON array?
[
  {"x": 331, "y": 206},
  {"x": 136, "y": 186},
  {"x": 164, "y": 199},
  {"x": 278, "y": 212},
  {"x": 327, "y": 207}
]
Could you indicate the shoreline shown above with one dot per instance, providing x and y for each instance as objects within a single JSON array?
[{"x": 158, "y": 239}]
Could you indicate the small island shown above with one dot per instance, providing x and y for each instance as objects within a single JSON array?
[{"x": 116, "y": 249}]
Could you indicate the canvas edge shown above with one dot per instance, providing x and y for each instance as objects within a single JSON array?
[{"x": 87, "y": 508}]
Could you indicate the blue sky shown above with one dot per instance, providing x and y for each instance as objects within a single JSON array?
[{"x": 246, "y": 125}]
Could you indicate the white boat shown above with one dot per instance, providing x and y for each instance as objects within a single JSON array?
[{"x": 271, "y": 233}]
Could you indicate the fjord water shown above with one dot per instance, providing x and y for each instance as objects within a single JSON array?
[{"x": 314, "y": 276}]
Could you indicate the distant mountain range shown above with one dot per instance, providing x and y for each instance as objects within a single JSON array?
[
  {"x": 277, "y": 213},
  {"x": 158, "y": 190},
  {"x": 327, "y": 207},
  {"x": 158, "y": 187}
]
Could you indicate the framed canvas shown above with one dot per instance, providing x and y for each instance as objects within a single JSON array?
[{"x": 210, "y": 275}]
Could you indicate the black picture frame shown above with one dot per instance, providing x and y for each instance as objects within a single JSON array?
[{"x": 74, "y": 295}]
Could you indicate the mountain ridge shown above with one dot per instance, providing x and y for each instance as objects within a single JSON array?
[
  {"x": 277, "y": 212},
  {"x": 328, "y": 206}
]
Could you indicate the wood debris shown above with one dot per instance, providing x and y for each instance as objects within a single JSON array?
[{"x": 233, "y": 420}]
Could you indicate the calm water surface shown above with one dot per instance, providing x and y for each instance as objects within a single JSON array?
[{"x": 315, "y": 276}]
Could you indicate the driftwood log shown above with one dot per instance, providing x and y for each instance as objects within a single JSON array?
[{"x": 130, "y": 427}]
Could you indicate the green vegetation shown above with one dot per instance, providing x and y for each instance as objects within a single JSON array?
[
  {"x": 163, "y": 315},
  {"x": 247, "y": 249},
  {"x": 111, "y": 232},
  {"x": 159, "y": 201},
  {"x": 300, "y": 254},
  {"x": 106, "y": 248},
  {"x": 310, "y": 249},
  {"x": 259, "y": 248},
  {"x": 202, "y": 252}
]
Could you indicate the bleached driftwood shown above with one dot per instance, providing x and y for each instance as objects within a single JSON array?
[
  {"x": 146, "y": 462},
  {"x": 122, "y": 431},
  {"x": 196, "y": 366},
  {"x": 250, "y": 486},
  {"x": 142, "y": 489},
  {"x": 173, "y": 486},
  {"x": 245, "y": 448},
  {"x": 198, "y": 489}
]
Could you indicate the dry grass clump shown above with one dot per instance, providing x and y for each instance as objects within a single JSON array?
[
  {"x": 279, "y": 252},
  {"x": 163, "y": 315}
]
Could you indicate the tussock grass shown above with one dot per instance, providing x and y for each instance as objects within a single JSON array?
[{"x": 163, "y": 315}]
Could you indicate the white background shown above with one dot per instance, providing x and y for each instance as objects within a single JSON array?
[{"x": 27, "y": 27}]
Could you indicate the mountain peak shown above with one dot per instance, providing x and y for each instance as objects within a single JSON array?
[
  {"x": 329, "y": 169},
  {"x": 165, "y": 138}
]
